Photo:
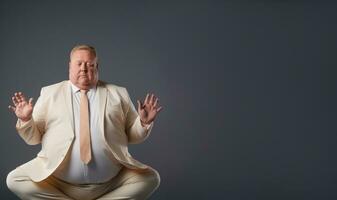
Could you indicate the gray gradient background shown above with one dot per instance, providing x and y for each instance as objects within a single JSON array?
[{"x": 248, "y": 88}]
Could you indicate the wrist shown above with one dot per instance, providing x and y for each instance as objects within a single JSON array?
[
  {"x": 25, "y": 119},
  {"x": 143, "y": 122}
]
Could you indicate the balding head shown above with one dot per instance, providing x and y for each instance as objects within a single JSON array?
[
  {"x": 89, "y": 48},
  {"x": 83, "y": 66}
]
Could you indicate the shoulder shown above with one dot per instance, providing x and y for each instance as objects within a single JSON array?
[
  {"x": 55, "y": 87},
  {"x": 117, "y": 92},
  {"x": 113, "y": 88}
]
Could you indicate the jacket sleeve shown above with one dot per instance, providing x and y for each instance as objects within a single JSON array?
[
  {"x": 136, "y": 133},
  {"x": 31, "y": 131}
]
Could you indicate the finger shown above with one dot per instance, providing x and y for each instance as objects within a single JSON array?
[
  {"x": 155, "y": 102},
  {"x": 15, "y": 102},
  {"x": 151, "y": 99},
  {"x": 31, "y": 101},
  {"x": 146, "y": 101},
  {"x": 159, "y": 109},
  {"x": 17, "y": 98},
  {"x": 12, "y": 108},
  {"x": 139, "y": 105},
  {"x": 22, "y": 96}
]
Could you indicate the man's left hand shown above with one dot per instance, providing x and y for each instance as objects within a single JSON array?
[{"x": 149, "y": 109}]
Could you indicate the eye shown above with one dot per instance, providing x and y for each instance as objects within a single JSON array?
[{"x": 91, "y": 65}]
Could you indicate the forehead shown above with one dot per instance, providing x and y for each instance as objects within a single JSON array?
[{"x": 82, "y": 54}]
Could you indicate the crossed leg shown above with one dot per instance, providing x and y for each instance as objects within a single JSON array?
[
  {"x": 133, "y": 185},
  {"x": 127, "y": 185},
  {"x": 22, "y": 186}
]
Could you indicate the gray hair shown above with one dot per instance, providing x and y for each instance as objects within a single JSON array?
[{"x": 84, "y": 47}]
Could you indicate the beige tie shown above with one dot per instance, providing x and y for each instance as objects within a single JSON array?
[{"x": 85, "y": 148}]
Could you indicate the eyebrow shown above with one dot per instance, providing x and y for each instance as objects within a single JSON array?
[{"x": 84, "y": 61}]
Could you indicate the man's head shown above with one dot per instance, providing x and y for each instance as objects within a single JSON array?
[{"x": 83, "y": 66}]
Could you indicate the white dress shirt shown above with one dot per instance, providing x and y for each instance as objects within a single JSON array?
[{"x": 101, "y": 168}]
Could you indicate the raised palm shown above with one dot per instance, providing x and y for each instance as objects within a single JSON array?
[
  {"x": 22, "y": 108},
  {"x": 149, "y": 109}
]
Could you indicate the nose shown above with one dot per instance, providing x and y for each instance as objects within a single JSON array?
[{"x": 83, "y": 67}]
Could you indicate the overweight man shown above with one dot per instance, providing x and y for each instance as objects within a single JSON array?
[{"x": 84, "y": 126}]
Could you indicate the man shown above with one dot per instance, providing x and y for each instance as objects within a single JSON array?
[{"x": 84, "y": 126}]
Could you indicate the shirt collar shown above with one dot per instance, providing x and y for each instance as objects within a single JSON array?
[{"x": 75, "y": 89}]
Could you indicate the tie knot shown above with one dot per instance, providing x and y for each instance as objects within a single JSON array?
[{"x": 84, "y": 91}]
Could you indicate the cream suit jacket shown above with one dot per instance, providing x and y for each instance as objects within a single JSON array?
[{"x": 52, "y": 125}]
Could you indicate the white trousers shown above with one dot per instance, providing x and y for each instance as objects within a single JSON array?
[{"x": 128, "y": 184}]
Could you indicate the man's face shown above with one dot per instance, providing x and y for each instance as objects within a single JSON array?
[{"x": 83, "y": 69}]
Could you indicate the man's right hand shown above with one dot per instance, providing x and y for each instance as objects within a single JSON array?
[{"x": 22, "y": 108}]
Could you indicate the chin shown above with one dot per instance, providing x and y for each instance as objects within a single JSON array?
[{"x": 86, "y": 85}]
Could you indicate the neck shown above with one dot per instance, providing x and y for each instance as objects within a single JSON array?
[{"x": 84, "y": 87}]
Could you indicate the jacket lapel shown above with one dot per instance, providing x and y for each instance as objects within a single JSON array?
[
  {"x": 102, "y": 96},
  {"x": 68, "y": 103}
]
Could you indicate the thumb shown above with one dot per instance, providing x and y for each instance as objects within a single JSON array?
[
  {"x": 12, "y": 108},
  {"x": 139, "y": 105},
  {"x": 31, "y": 101}
]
